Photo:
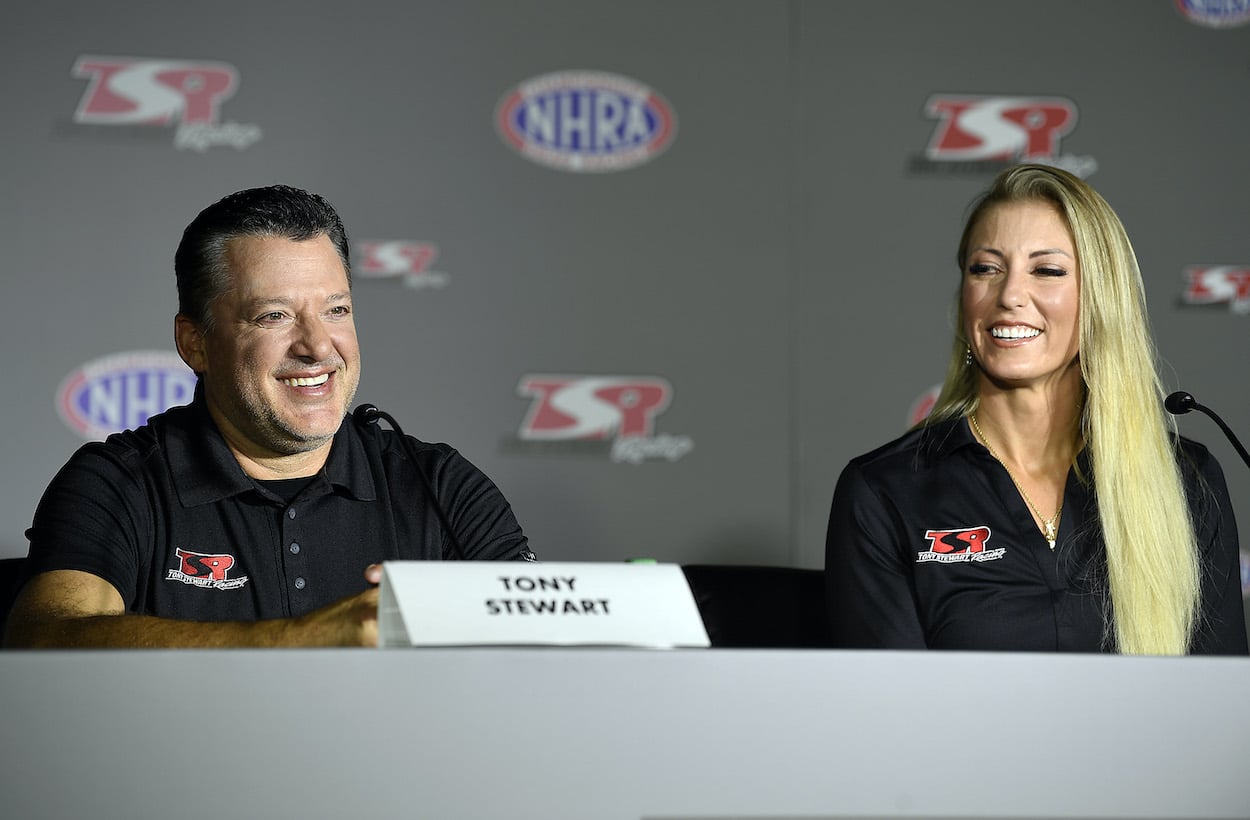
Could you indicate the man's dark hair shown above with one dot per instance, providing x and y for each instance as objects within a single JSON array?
[{"x": 277, "y": 210}]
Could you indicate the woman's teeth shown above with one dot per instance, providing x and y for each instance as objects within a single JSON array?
[{"x": 1014, "y": 332}]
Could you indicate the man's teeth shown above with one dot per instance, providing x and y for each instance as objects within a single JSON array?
[
  {"x": 1014, "y": 332},
  {"x": 313, "y": 382}
]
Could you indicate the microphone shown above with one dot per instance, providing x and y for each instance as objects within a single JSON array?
[
  {"x": 1180, "y": 403},
  {"x": 367, "y": 414}
]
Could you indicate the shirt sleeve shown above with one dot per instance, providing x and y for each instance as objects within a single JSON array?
[
  {"x": 88, "y": 520},
  {"x": 482, "y": 518},
  {"x": 1222, "y": 625},
  {"x": 869, "y": 583}
]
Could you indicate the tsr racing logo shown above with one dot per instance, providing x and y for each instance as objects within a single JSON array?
[
  {"x": 594, "y": 414},
  {"x": 923, "y": 406},
  {"x": 979, "y": 133},
  {"x": 960, "y": 545},
  {"x": 152, "y": 93},
  {"x": 404, "y": 259},
  {"x": 1218, "y": 285},
  {"x": 205, "y": 570}
]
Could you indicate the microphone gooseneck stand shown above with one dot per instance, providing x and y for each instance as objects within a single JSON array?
[
  {"x": 1180, "y": 403},
  {"x": 367, "y": 414}
]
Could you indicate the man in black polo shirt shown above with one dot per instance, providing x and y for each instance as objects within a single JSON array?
[{"x": 257, "y": 514}]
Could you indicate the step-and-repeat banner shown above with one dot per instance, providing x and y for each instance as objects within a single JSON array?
[{"x": 659, "y": 268}]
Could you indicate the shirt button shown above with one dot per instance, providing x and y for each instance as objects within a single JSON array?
[
  {"x": 290, "y": 513},
  {"x": 300, "y": 583},
  {"x": 294, "y": 548}
]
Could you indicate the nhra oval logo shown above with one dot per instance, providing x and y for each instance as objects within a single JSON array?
[
  {"x": 585, "y": 121},
  {"x": 1215, "y": 13},
  {"x": 119, "y": 392}
]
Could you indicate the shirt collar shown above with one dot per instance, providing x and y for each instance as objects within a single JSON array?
[
  {"x": 941, "y": 439},
  {"x": 205, "y": 471}
]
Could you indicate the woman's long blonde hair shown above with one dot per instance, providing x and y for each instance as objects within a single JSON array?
[{"x": 1152, "y": 555}]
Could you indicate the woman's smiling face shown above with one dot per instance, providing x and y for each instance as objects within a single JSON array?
[{"x": 1021, "y": 294}]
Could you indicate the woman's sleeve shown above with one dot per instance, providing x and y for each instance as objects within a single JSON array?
[
  {"x": 1222, "y": 626},
  {"x": 869, "y": 584}
]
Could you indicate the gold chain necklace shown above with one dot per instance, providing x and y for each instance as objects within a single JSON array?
[{"x": 1050, "y": 526}]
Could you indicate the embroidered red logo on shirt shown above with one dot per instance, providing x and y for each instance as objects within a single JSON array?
[
  {"x": 205, "y": 570},
  {"x": 954, "y": 546}
]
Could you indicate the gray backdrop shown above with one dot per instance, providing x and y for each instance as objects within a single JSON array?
[{"x": 767, "y": 294}]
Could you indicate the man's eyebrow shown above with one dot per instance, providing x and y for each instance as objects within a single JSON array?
[{"x": 264, "y": 301}]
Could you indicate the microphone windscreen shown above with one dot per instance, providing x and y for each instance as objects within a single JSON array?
[
  {"x": 1179, "y": 403},
  {"x": 366, "y": 414}
]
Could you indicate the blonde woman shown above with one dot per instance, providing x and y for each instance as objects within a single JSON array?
[{"x": 1044, "y": 505}]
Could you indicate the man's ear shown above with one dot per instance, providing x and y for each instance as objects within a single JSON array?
[{"x": 189, "y": 338}]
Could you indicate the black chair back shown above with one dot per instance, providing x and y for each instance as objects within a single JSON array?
[
  {"x": 10, "y": 577},
  {"x": 761, "y": 607}
]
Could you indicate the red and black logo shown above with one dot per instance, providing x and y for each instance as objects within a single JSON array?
[
  {"x": 205, "y": 570},
  {"x": 407, "y": 260},
  {"x": 1218, "y": 284},
  {"x": 592, "y": 413},
  {"x": 959, "y": 545},
  {"x": 979, "y": 132},
  {"x": 186, "y": 95}
]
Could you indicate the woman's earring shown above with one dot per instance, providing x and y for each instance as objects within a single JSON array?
[{"x": 968, "y": 356}]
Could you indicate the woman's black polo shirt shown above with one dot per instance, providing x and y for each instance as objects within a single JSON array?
[{"x": 930, "y": 545}]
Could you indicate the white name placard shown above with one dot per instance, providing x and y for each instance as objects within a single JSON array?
[{"x": 475, "y": 603}]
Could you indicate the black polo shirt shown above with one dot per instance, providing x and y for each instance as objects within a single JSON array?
[
  {"x": 930, "y": 545},
  {"x": 166, "y": 515}
]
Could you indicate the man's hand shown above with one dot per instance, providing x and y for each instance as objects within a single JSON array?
[{"x": 350, "y": 622}]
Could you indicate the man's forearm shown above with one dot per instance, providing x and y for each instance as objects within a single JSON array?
[
  {"x": 70, "y": 610},
  {"x": 148, "y": 632}
]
